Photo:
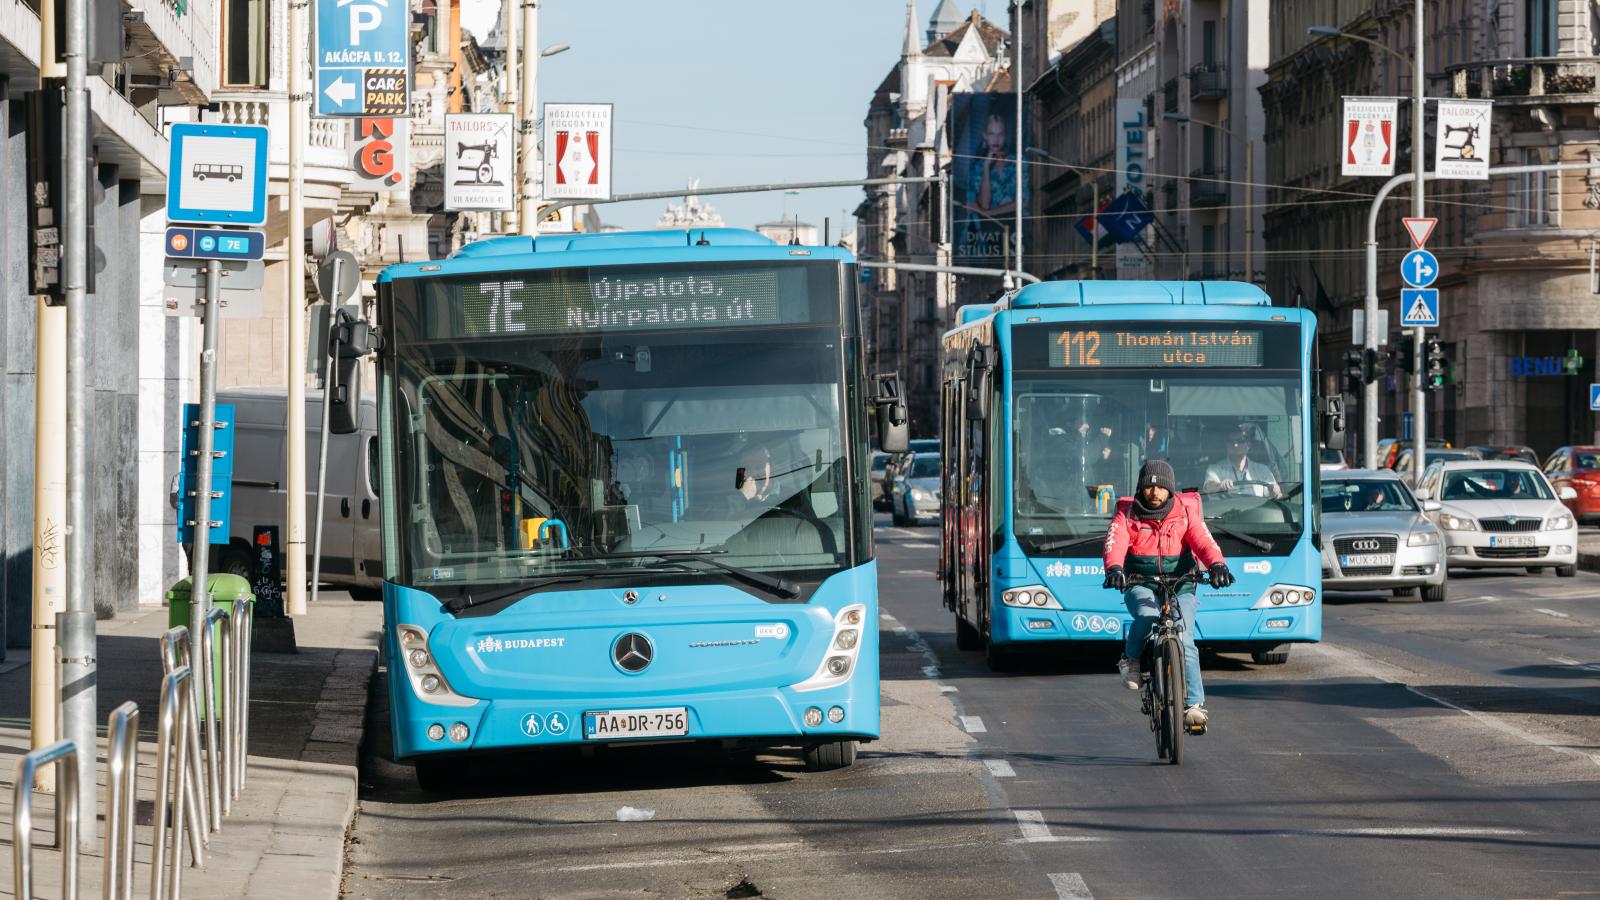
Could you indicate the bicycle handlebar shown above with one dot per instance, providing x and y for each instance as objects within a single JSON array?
[{"x": 1174, "y": 582}]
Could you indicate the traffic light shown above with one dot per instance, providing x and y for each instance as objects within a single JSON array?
[
  {"x": 1433, "y": 375},
  {"x": 1405, "y": 356},
  {"x": 1352, "y": 371}
]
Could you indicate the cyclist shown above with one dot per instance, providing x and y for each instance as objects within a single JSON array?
[{"x": 1159, "y": 530}]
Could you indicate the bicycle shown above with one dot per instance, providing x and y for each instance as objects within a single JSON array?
[{"x": 1162, "y": 677}]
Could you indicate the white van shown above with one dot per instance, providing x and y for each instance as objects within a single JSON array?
[{"x": 352, "y": 555}]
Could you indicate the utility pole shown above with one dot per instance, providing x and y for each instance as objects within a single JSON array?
[
  {"x": 49, "y": 468},
  {"x": 294, "y": 276},
  {"x": 1419, "y": 396},
  {"x": 527, "y": 108},
  {"x": 510, "y": 223},
  {"x": 75, "y": 633},
  {"x": 1016, "y": 85}
]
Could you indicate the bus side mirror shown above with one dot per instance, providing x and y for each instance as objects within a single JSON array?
[
  {"x": 980, "y": 382},
  {"x": 894, "y": 428},
  {"x": 1333, "y": 422},
  {"x": 349, "y": 339}
]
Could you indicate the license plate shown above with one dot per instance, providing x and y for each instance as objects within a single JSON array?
[
  {"x": 1511, "y": 540},
  {"x": 606, "y": 725},
  {"x": 1363, "y": 560}
]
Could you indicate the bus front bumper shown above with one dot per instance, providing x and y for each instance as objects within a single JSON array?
[
  {"x": 1273, "y": 626},
  {"x": 775, "y": 716}
]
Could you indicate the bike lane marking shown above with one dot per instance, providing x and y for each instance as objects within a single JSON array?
[
  {"x": 1035, "y": 831},
  {"x": 972, "y": 724},
  {"x": 999, "y": 768},
  {"x": 1070, "y": 886}
]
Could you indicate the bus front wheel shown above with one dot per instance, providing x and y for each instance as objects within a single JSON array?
[
  {"x": 1277, "y": 656},
  {"x": 967, "y": 637},
  {"x": 830, "y": 756}
]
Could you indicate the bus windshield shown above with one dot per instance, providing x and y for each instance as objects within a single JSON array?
[
  {"x": 1235, "y": 437},
  {"x": 591, "y": 451}
]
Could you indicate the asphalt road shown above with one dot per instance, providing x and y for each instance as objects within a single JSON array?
[{"x": 1423, "y": 750}]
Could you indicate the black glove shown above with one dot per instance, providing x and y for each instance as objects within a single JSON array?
[
  {"x": 1116, "y": 579},
  {"x": 1220, "y": 576}
]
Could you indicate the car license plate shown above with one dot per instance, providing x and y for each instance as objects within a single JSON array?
[
  {"x": 607, "y": 725},
  {"x": 1363, "y": 560},
  {"x": 1511, "y": 540}
]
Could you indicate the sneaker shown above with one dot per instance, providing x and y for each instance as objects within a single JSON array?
[
  {"x": 1194, "y": 717},
  {"x": 1129, "y": 670}
]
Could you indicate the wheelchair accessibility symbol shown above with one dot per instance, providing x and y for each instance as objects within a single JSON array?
[{"x": 557, "y": 723}]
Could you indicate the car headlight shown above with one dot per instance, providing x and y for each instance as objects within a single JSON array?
[
  {"x": 1422, "y": 538},
  {"x": 921, "y": 496},
  {"x": 1558, "y": 523},
  {"x": 1457, "y": 523}
]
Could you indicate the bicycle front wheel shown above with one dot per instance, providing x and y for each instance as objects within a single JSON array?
[{"x": 1172, "y": 708}]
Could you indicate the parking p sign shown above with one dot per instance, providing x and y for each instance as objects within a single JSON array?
[
  {"x": 1594, "y": 398},
  {"x": 362, "y": 53}
]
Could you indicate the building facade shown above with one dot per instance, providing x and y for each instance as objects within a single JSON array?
[
  {"x": 1515, "y": 293},
  {"x": 908, "y": 126}
]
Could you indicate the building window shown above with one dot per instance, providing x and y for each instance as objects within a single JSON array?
[
  {"x": 1539, "y": 26},
  {"x": 244, "y": 45},
  {"x": 1532, "y": 203}
]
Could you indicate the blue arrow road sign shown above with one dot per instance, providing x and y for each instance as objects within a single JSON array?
[
  {"x": 362, "y": 54},
  {"x": 1594, "y": 397},
  {"x": 1419, "y": 306},
  {"x": 1419, "y": 269},
  {"x": 217, "y": 174}
]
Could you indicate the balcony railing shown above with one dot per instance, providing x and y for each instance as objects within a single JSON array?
[
  {"x": 1169, "y": 96},
  {"x": 1208, "y": 187},
  {"x": 1208, "y": 82},
  {"x": 1531, "y": 81}
]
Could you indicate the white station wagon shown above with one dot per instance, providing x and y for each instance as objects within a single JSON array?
[{"x": 1500, "y": 514}]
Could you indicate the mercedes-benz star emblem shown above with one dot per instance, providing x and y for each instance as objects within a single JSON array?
[{"x": 633, "y": 652}]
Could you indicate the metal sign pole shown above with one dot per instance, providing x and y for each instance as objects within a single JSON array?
[
  {"x": 206, "y": 434},
  {"x": 1419, "y": 396},
  {"x": 330, "y": 376}
]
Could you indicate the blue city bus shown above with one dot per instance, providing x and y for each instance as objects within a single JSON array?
[
  {"x": 625, "y": 498},
  {"x": 1052, "y": 399}
]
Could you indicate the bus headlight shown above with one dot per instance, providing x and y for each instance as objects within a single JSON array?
[
  {"x": 1285, "y": 595},
  {"x": 1032, "y": 596},
  {"x": 839, "y": 663},
  {"x": 422, "y": 670}
]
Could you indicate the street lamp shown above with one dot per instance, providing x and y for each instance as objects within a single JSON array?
[
  {"x": 1094, "y": 240},
  {"x": 1249, "y": 188},
  {"x": 553, "y": 49},
  {"x": 1370, "y": 394}
]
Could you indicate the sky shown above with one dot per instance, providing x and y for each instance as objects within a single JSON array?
[{"x": 730, "y": 92}]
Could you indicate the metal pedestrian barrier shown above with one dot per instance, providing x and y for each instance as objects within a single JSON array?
[
  {"x": 176, "y": 653},
  {"x": 172, "y": 772},
  {"x": 66, "y": 818},
  {"x": 122, "y": 779},
  {"x": 219, "y": 780},
  {"x": 244, "y": 620}
]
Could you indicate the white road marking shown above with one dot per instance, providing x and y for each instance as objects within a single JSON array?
[
  {"x": 948, "y": 689},
  {"x": 920, "y": 545},
  {"x": 1035, "y": 831},
  {"x": 930, "y": 671},
  {"x": 899, "y": 629},
  {"x": 1551, "y": 612},
  {"x": 928, "y": 572},
  {"x": 973, "y": 724},
  {"x": 999, "y": 768},
  {"x": 1070, "y": 886},
  {"x": 1394, "y": 675},
  {"x": 1592, "y": 667},
  {"x": 903, "y": 532},
  {"x": 887, "y": 618},
  {"x": 1401, "y": 832}
]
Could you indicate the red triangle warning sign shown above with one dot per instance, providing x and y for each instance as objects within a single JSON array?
[{"x": 1421, "y": 229}]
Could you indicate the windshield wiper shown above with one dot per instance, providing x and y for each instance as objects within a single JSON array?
[
  {"x": 469, "y": 600},
  {"x": 1252, "y": 540},
  {"x": 772, "y": 584},
  {"x": 1063, "y": 544}
]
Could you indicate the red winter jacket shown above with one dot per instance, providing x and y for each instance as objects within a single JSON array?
[{"x": 1148, "y": 546}]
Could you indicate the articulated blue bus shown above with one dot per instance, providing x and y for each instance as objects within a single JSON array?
[
  {"x": 625, "y": 497},
  {"x": 1053, "y": 398}
]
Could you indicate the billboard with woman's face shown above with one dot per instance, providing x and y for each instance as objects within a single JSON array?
[{"x": 984, "y": 178}]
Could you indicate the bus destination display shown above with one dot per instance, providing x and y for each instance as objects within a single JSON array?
[
  {"x": 1184, "y": 347},
  {"x": 596, "y": 300}
]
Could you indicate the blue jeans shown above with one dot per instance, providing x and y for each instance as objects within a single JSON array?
[{"x": 1145, "y": 609}]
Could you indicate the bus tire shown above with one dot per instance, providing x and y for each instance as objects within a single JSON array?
[
  {"x": 967, "y": 636},
  {"x": 831, "y": 756},
  {"x": 1435, "y": 593},
  {"x": 1566, "y": 571},
  {"x": 1277, "y": 656}
]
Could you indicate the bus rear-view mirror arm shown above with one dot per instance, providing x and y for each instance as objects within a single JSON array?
[{"x": 1333, "y": 422}]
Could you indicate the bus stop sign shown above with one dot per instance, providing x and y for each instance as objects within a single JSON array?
[{"x": 217, "y": 174}]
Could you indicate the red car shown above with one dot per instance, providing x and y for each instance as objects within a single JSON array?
[{"x": 1579, "y": 468}]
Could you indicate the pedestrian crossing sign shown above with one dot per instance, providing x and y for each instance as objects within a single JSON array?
[{"x": 1419, "y": 307}]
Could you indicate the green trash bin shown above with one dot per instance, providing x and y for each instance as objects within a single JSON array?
[{"x": 225, "y": 590}]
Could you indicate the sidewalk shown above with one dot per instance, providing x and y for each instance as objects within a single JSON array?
[{"x": 285, "y": 835}]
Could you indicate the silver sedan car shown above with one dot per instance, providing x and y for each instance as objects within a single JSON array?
[{"x": 1375, "y": 536}]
